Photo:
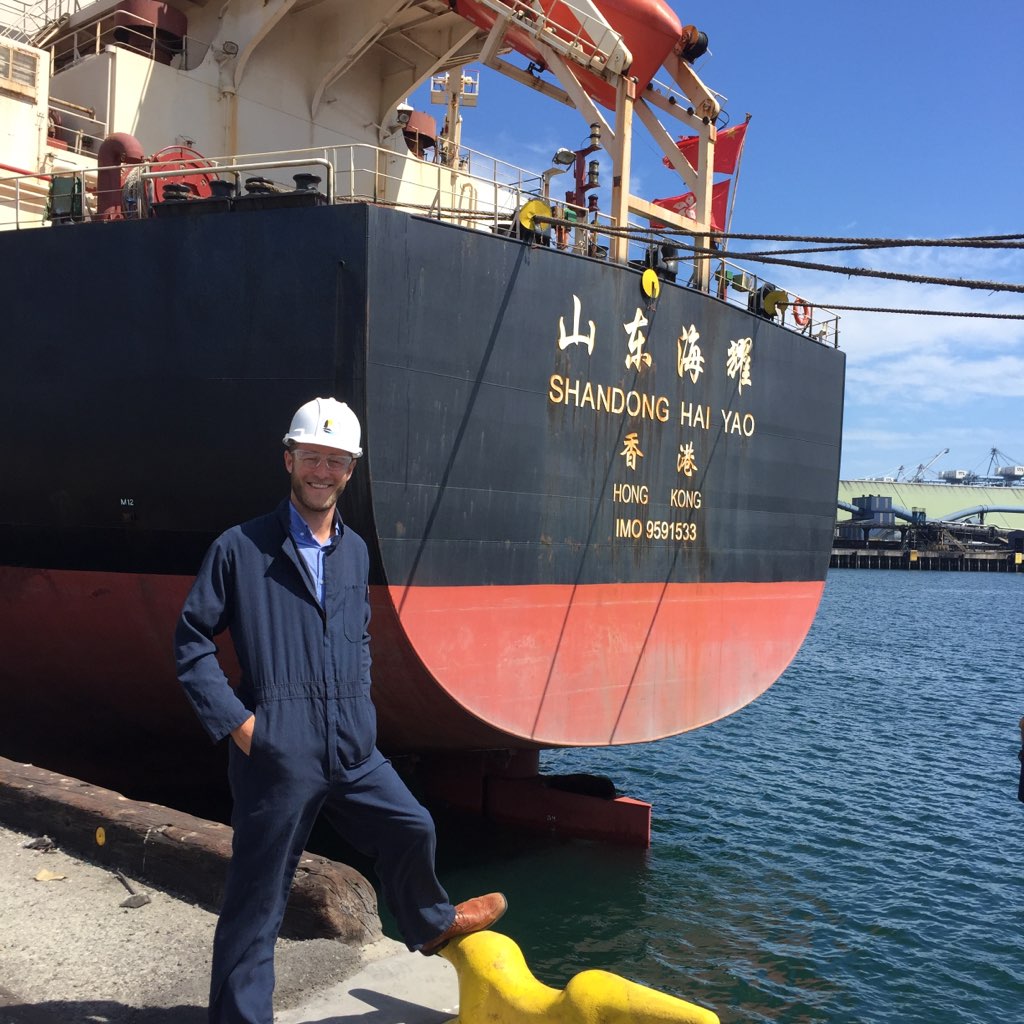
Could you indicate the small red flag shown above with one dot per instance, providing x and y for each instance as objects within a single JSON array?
[
  {"x": 684, "y": 204},
  {"x": 728, "y": 146}
]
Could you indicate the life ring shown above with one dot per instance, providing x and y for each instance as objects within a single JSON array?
[{"x": 801, "y": 312}]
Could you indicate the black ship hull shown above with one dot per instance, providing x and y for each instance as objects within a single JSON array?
[{"x": 595, "y": 517}]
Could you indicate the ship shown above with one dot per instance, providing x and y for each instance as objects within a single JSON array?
[{"x": 600, "y": 470}]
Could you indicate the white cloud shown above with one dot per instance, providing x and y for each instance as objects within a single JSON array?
[
  {"x": 917, "y": 384},
  {"x": 889, "y": 353}
]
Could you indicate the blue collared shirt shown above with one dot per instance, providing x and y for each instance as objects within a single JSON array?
[{"x": 310, "y": 549}]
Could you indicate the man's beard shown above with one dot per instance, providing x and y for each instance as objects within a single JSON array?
[{"x": 320, "y": 501}]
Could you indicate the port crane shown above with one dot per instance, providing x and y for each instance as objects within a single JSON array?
[
  {"x": 920, "y": 471},
  {"x": 997, "y": 458}
]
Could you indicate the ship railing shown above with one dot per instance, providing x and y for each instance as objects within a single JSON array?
[
  {"x": 490, "y": 201},
  {"x": 742, "y": 287},
  {"x": 479, "y": 191},
  {"x": 74, "y": 128},
  {"x": 232, "y": 168},
  {"x": 475, "y": 191},
  {"x": 589, "y": 232},
  {"x": 23, "y": 198},
  {"x": 68, "y": 46},
  {"x": 33, "y": 199}
]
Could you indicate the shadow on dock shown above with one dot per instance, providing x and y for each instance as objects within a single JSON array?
[{"x": 62, "y": 1011}]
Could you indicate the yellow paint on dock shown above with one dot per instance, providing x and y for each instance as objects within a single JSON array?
[{"x": 496, "y": 987}]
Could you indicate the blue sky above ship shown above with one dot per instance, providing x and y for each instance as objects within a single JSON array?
[{"x": 868, "y": 120}]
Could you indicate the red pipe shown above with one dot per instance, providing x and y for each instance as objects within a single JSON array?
[
  {"x": 115, "y": 151},
  {"x": 22, "y": 171}
]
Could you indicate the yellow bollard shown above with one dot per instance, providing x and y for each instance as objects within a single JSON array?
[{"x": 496, "y": 987}]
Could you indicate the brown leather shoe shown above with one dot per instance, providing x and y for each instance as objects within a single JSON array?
[{"x": 472, "y": 916}]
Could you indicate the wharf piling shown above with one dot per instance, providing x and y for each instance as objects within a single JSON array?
[{"x": 925, "y": 560}]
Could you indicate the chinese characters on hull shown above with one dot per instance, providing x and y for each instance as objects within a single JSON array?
[
  {"x": 637, "y": 357},
  {"x": 576, "y": 338},
  {"x": 737, "y": 361},
  {"x": 689, "y": 358},
  {"x": 685, "y": 461},
  {"x": 650, "y": 412},
  {"x": 632, "y": 450}
]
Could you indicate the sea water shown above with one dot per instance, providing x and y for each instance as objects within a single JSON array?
[{"x": 849, "y": 847}]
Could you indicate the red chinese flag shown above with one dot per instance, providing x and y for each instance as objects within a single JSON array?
[
  {"x": 684, "y": 204},
  {"x": 727, "y": 149}
]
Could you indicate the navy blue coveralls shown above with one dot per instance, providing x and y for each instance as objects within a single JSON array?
[{"x": 306, "y": 677}]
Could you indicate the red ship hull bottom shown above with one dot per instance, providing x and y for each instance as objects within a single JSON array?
[
  {"x": 526, "y": 666},
  {"x": 88, "y": 678},
  {"x": 605, "y": 663}
]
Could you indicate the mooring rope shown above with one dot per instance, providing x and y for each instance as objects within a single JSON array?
[
  {"x": 828, "y": 239},
  {"x": 921, "y": 312}
]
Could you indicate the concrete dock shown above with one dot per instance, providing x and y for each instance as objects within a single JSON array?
[{"x": 71, "y": 954}]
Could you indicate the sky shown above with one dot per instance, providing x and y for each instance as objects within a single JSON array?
[{"x": 896, "y": 120}]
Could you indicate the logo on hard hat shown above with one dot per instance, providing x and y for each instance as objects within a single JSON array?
[{"x": 328, "y": 427}]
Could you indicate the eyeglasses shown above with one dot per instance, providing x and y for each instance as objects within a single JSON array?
[{"x": 314, "y": 460}]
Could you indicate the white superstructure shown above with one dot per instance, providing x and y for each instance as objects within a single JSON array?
[{"x": 318, "y": 87}]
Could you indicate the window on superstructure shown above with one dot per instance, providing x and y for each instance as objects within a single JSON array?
[{"x": 19, "y": 71}]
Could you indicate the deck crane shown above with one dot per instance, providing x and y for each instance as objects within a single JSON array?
[{"x": 919, "y": 473}]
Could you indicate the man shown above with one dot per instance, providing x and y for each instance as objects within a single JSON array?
[{"x": 291, "y": 588}]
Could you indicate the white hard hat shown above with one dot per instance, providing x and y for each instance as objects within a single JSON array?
[{"x": 328, "y": 422}]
